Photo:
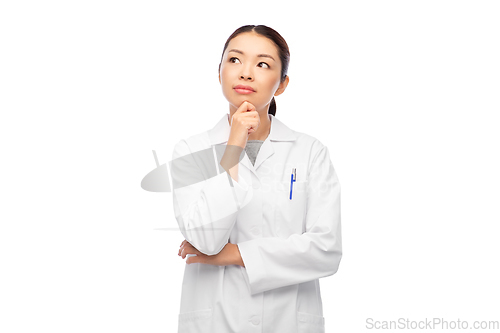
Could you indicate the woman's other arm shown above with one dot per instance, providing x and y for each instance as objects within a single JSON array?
[{"x": 276, "y": 262}]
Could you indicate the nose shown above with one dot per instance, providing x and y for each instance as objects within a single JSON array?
[{"x": 246, "y": 74}]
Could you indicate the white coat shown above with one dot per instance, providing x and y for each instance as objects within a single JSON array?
[{"x": 286, "y": 245}]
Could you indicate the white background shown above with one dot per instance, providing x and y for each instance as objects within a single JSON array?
[{"x": 405, "y": 94}]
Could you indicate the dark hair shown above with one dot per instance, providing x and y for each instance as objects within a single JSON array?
[{"x": 280, "y": 43}]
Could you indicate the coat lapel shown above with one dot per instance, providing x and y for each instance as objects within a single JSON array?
[{"x": 219, "y": 134}]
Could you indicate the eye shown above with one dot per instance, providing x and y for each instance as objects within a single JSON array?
[
  {"x": 264, "y": 64},
  {"x": 231, "y": 59}
]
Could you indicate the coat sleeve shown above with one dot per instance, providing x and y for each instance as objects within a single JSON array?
[
  {"x": 276, "y": 262},
  {"x": 205, "y": 201}
]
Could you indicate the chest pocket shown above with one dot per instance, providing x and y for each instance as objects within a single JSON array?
[{"x": 290, "y": 214}]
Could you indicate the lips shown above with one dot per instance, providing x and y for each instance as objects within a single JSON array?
[{"x": 243, "y": 87}]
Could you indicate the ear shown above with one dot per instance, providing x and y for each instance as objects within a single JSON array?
[
  {"x": 282, "y": 86},
  {"x": 219, "y": 73}
]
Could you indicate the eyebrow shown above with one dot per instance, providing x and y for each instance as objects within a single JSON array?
[{"x": 258, "y": 55}]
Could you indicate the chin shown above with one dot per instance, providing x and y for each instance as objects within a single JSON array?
[{"x": 236, "y": 102}]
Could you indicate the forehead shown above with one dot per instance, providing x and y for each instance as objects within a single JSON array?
[{"x": 252, "y": 44}]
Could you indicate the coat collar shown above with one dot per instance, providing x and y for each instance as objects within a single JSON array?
[{"x": 279, "y": 132}]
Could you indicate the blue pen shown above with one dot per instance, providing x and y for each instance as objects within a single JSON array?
[{"x": 293, "y": 177}]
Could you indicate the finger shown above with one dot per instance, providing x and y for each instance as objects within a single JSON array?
[
  {"x": 185, "y": 251},
  {"x": 245, "y": 106},
  {"x": 188, "y": 249},
  {"x": 250, "y": 106},
  {"x": 241, "y": 108}
]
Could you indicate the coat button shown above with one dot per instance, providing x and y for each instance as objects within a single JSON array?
[
  {"x": 255, "y": 320},
  {"x": 255, "y": 231}
]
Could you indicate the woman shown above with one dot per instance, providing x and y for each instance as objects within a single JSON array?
[{"x": 262, "y": 222}]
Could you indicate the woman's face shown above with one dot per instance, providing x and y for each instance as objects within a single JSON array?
[{"x": 251, "y": 60}]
